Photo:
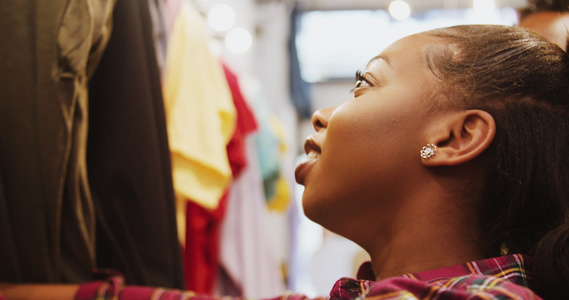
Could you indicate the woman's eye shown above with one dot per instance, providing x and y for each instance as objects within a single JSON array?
[{"x": 361, "y": 81}]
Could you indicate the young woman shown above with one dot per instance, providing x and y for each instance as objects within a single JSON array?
[
  {"x": 449, "y": 167},
  {"x": 453, "y": 150}
]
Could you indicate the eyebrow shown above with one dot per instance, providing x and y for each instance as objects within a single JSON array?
[{"x": 381, "y": 57}]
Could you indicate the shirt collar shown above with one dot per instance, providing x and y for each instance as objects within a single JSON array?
[{"x": 514, "y": 267}]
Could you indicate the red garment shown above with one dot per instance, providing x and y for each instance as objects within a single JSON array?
[
  {"x": 246, "y": 124},
  {"x": 203, "y": 227}
]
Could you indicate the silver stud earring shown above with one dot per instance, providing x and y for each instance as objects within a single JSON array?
[{"x": 428, "y": 151}]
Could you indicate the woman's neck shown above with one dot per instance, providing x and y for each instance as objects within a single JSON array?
[
  {"x": 426, "y": 240},
  {"x": 403, "y": 257}
]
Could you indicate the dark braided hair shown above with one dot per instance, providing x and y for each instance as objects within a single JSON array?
[{"x": 522, "y": 80}]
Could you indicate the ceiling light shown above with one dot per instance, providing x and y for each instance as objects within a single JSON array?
[
  {"x": 238, "y": 40},
  {"x": 221, "y": 17},
  {"x": 399, "y": 10}
]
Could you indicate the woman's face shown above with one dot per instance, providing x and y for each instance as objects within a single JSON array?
[{"x": 364, "y": 157}]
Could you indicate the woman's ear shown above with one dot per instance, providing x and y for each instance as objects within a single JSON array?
[{"x": 461, "y": 138}]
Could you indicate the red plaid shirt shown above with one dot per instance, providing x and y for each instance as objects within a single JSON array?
[{"x": 505, "y": 277}]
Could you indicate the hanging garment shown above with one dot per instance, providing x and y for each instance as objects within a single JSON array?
[
  {"x": 203, "y": 226},
  {"x": 200, "y": 112},
  {"x": 48, "y": 50},
  {"x": 250, "y": 267},
  {"x": 201, "y": 253},
  {"x": 277, "y": 191},
  {"x": 268, "y": 139},
  {"x": 246, "y": 124},
  {"x": 200, "y": 116},
  {"x": 159, "y": 31},
  {"x": 129, "y": 159},
  {"x": 171, "y": 10},
  {"x": 248, "y": 264}
]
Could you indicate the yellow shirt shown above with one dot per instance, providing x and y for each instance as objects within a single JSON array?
[{"x": 200, "y": 113}]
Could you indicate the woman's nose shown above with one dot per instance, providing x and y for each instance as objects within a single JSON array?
[{"x": 321, "y": 117}]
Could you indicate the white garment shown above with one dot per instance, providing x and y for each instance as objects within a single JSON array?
[{"x": 247, "y": 254}]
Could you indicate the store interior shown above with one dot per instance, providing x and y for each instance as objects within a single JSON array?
[
  {"x": 288, "y": 59},
  {"x": 332, "y": 41}
]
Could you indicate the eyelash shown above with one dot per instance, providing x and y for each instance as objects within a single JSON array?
[{"x": 359, "y": 79}]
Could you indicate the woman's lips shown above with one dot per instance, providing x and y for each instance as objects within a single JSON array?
[{"x": 313, "y": 153}]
